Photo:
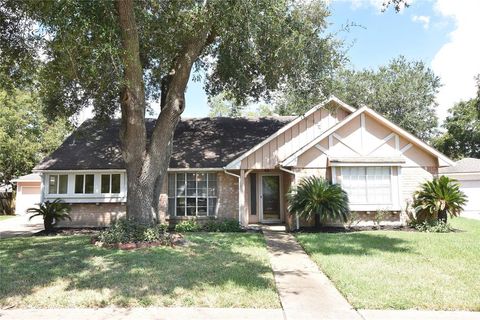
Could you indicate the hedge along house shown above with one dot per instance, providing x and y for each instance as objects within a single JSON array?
[{"x": 242, "y": 168}]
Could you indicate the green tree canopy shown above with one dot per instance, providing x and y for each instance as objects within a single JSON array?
[
  {"x": 462, "y": 138},
  {"x": 121, "y": 54},
  {"x": 25, "y": 134},
  {"x": 403, "y": 91}
]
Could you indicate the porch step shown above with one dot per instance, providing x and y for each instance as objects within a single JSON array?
[{"x": 270, "y": 227}]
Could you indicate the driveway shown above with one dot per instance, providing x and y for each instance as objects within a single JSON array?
[{"x": 20, "y": 226}]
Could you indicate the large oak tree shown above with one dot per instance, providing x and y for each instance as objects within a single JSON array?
[{"x": 121, "y": 55}]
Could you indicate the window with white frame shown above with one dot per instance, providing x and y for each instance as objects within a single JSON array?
[
  {"x": 110, "y": 183},
  {"x": 84, "y": 183},
  {"x": 192, "y": 194},
  {"x": 367, "y": 185},
  {"x": 57, "y": 184}
]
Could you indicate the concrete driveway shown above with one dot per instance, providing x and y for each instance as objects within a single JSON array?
[{"x": 20, "y": 226}]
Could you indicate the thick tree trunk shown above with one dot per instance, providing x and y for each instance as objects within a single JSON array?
[{"x": 147, "y": 164}]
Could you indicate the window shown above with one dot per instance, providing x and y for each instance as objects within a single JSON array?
[
  {"x": 84, "y": 183},
  {"x": 192, "y": 194},
  {"x": 57, "y": 184},
  {"x": 110, "y": 183},
  {"x": 367, "y": 185}
]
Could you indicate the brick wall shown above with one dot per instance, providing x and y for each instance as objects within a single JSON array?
[{"x": 93, "y": 215}]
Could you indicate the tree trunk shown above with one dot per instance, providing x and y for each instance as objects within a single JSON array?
[
  {"x": 147, "y": 164},
  {"x": 48, "y": 224},
  {"x": 317, "y": 221}
]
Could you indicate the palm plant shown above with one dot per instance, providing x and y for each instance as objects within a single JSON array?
[
  {"x": 315, "y": 196},
  {"x": 51, "y": 212},
  {"x": 437, "y": 199}
]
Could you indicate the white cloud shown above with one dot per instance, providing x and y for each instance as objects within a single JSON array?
[
  {"x": 424, "y": 20},
  {"x": 457, "y": 61}
]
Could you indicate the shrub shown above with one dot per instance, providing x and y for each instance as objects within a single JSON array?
[
  {"x": 125, "y": 231},
  {"x": 317, "y": 197},
  {"x": 439, "y": 226},
  {"x": 226, "y": 225},
  {"x": 51, "y": 212},
  {"x": 437, "y": 199},
  {"x": 187, "y": 226}
]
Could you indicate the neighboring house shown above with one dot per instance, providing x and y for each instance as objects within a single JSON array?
[
  {"x": 28, "y": 192},
  {"x": 467, "y": 172},
  {"x": 242, "y": 168}
]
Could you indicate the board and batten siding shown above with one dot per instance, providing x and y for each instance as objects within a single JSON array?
[{"x": 286, "y": 143}]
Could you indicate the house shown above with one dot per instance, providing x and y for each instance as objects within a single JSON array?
[
  {"x": 242, "y": 168},
  {"x": 467, "y": 172},
  {"x": 28, "y": 192}
]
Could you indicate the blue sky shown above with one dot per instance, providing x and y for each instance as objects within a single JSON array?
[{"x": 428, "y": 30}]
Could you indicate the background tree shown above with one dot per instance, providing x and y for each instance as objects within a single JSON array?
[
  {"x": 120, "y": 54},
  {"x": 223, "y": 106},
  {"x": 402, "y": 91},
  {"x": 25, "y": 134},
  {"x": 462, "y": 138}
]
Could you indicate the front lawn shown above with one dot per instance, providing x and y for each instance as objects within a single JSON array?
[
  {"x": 214, "y": 270},
  {"x": 402, "y": 270}
]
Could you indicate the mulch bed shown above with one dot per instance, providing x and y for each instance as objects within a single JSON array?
[
  {"x": 173, "y": 240},
  {"x": 356, "y": 229},
  {"x": 70, "y": 232}
]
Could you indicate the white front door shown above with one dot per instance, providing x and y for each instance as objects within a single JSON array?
[{"x": 270, "y": 198}]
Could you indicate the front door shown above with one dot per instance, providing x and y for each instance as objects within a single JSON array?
[{"x": 270, "y": 206}]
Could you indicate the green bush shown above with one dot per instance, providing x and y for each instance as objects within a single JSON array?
[
  {"x": 125, "y": 231},
  {"x": 187, "y": 226},
  {"x": 439, "y": 226},
  {"x": 226, "y": 225}
]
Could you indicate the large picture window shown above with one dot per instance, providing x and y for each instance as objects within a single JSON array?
[
  {"x": 367, "y": 185},
  {"x": 192, "y": 194},
  {"x": 57, "y": 184}
]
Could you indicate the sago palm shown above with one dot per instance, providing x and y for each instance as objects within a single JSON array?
[
  {"x": 51, "y": 212},
  {"x": 439, "y": 198},
  {"x": 317, "y": 197}
]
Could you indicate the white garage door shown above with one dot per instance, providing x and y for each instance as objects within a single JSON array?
[
  {"x": 27, "y": 198},
  {"x": 472, "y": 190}
]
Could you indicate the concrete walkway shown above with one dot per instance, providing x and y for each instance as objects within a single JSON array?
[
  {"x": 20, "y": 226},
  {"x": 143, "y": 313},
  {"x": 305, "y": 292}
]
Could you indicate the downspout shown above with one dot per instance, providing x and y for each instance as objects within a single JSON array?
[
  {"x": 297, "y": 220},
  {"x": 239, "y": 205}
]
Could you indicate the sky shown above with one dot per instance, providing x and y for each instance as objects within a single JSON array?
[{"x": 442, "y": 33}]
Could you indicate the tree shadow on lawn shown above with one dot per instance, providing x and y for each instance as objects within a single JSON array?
[
  {"x": 352, "y": 243},
  {"x": 130, "y": 276}
]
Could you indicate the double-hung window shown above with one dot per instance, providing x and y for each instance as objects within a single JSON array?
[
  {"x": 110, "y": 183},
  {"x": 84, "y": 183},
  {"x": 57, "y": 184},
  {"x": 192, "y": 194},
  {"x": 367, "y": 185}
]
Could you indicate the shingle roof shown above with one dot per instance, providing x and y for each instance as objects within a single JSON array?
[
  {"x": 462, "y": 166},
  {"x": 198, "y": 143}
]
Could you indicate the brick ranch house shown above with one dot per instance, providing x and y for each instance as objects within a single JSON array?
[{"x": 242, "y": 168}]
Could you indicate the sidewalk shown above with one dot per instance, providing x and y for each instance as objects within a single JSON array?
[
  {"x": 305, "y": 292},
  {"x": 20, "y": 226}
]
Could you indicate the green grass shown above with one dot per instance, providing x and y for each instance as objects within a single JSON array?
[
  {"x": 214, "y": 270},
  {"x": 402, "y": 270},
  {"x": 5, "y": 217}
]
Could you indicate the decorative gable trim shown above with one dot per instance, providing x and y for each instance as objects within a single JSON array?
[{"x": 235, "y": 164}]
